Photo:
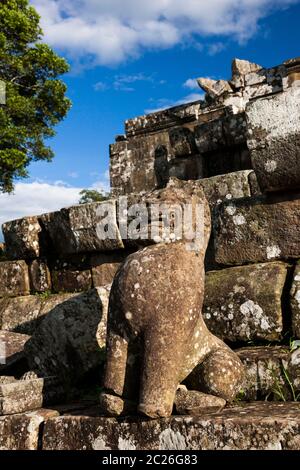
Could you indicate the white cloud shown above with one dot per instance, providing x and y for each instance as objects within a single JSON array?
[
  {"x": 107, "y": 32},
  {"x": 164, "y": 103},
  {"x": 39, "y": 197},
  {"x": 100, "y": 86},
  {"x": 126, "y": 82},
  {"x": 191, "y": 83},
  {"x": 216, "y": 48}
]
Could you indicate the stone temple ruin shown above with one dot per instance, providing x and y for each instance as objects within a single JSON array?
[{"x": 240, "y": 146}]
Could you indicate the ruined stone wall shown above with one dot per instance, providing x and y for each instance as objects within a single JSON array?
[{"x": 241, "y": 145}]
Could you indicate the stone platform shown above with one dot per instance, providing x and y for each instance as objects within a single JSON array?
[{"x": 244, "y": 426}]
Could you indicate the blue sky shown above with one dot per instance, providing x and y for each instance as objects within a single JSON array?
[{"x": 129, "y": 57}]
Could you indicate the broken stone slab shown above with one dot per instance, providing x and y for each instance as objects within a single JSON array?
[
  {"x": 22, "y": 238},
  {"x": 83, "y": 228},
  {"x": 295, "y": 301},
  {"x": 214, "y": 88},
  {"x": 264, "y": 366},
  {"x": 194, "y": 403},
  {"x": 71, "y": 274},
  {"x": 104, "y": 266},
  {"x": 244, "y": 303},
  {"x": 257, "y": 229},
  {"x": 40, "y": 278},
  {"x": 11, "y": 348},
  {"x": 71, "y": 339},
  {"x": 23, "y": 431},
  {"x": 14, "y": 278},
  {"x": 242, "y": 67},
  {"x": 18, "y": 396},
  {"x": 261, "y": 426},
  {"x": 274, "y": 140}
]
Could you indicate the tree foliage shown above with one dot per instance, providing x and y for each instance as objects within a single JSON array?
[
  {"x": 92, "y": 195},
  {"x": 35, "y": 96}
]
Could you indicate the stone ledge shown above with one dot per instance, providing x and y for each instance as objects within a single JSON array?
[{"x": 253, "y": 426}]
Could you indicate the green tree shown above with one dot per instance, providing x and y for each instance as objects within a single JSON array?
[
  {"x": 92, "y": 195},
  {"x": 35, "y": 96}
]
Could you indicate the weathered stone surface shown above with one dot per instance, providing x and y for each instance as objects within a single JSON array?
[
  {"x": 24, "y": 314},
  {"x": 141, "y": 324},
  {"x": 81, "y": 228},
  {"x": 40, "y": 278},
  {"x": 225, "y": 187},
  {"x": 11, "y": 348},
  {"x": 274, "y": 140},
  {"x": 71, "y": 274},
  {"x": 242, "y": 67},
  {"x": 257, "y": 229},
  {"x": 244, "y": 303},
  {"x": 263, "y": 426},
  {"x": 14, "y": 278},
  {"x": 71, "y": 339},
  {"x": 22, "y": 238},
  {"x": 265, "y": 366},
  {"x": 295, "y": 301},
  {"x": 21, "y": 314},
  {"x": 104, "y": 267},
  {"x": 21, "y": 395},
  {"x": 191, "y": 402},
  {"x": 22, "y": 431}
]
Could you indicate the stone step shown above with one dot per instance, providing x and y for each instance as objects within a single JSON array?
[{"x": 260, "y": 426}]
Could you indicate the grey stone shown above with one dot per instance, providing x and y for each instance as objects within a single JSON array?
[
  {"x": 257, "y": 229},
  {"x": 71, "y": 339},
  {"x": 261, "y": 426},
  {"x": 244, "y": 303},
  {"x": 72, "y": 274},
  {"x": 14, "y": 278},
  {"x": 22, "y": 238},
  {"x": 274, "y": 140}
]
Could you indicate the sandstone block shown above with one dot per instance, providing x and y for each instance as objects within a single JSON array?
[
  {"x": 244, "y": 303},
  {"x": 226, "y": 187},
  {"x": 18, "y": 396},
  {"x": 265, "y": 377},
  {"x": 71, "y": 339},
  {"x": 264, "y": 426},
  {"x": 295, "y": 301},
  {"x": 104, "y": 267},
  {"x": 257, "y": 229},
  {"x": 22, "y": 238},
  {"x": 21, "y": 314},
  {"x": 40, "y": 278},
  {"x": 182, "y": 141},
  {"x": 11, "y": 348},
  {"x": 14, "y": 278},
  {"x": 82, "y": 228},
  {"x": 71, "y": 274},
  {"x": 191, "y": 402},
  {"x": 274, "y": 140},
  {"x": 22, "y": 431}
]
